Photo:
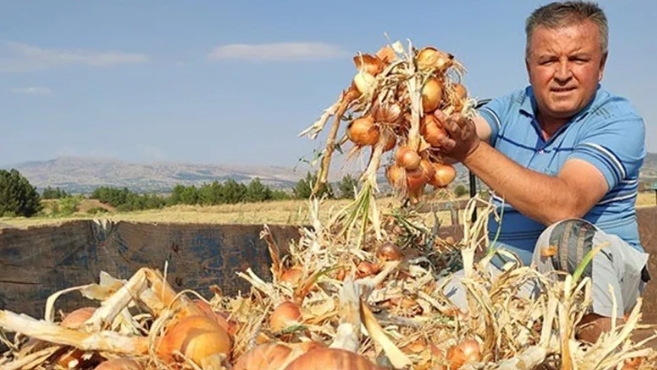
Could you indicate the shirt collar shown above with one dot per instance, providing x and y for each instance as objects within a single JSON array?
[{"x": 528, "y": 104}]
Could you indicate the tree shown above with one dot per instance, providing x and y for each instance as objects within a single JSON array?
[
  {"x": 304, "y": 188},
  {"x": 17, "y": 196},
  {"x": 347, "y": 187}
]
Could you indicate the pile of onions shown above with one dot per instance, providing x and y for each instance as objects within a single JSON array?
[{"x": 197, "y": 337}]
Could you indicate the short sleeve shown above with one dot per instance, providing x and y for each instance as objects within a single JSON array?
[
  {"x": 495, "y": 112},
  {"x": 616, "y": 147}
]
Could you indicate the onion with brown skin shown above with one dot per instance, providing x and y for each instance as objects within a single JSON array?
[
  {"x": 293, "y": 275},
  {"x": 75, "y": 320},
  {"x": 432, "y": 130},
  {"x": 196, "y": 337},
  {"x": 363, "y": 131},
  {"x": 389, "y": 252},
  {"x": 444, "y": 174},
  {"x": 284, "y": 315},
  {"x": 366, "y": 268},
  {"x": 465, "y": 352},
  {"x": 432, "y": 94},
  {"x": 431, "y": 58},
  {"x": 273, "y": 355},
  {"x": 220, "y": 317},
  {"x": 408, "y": 158},
  {"x": 120, "y": 364},
  {"x": 459, "y": 95},
  {"x": 332, "y": 359}
]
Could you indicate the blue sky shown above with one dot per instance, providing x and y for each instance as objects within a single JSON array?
[{"x": 230, "y": 82}]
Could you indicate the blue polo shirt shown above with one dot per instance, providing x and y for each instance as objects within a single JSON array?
[{"x": 608, "y": 133}]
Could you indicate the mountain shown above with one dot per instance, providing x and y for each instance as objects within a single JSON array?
[
  {"x": 85, "y": 174},
  {"x": 76, "y": 174}
]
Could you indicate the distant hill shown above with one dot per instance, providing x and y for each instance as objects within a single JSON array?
[{"x": 85, "y": 174}]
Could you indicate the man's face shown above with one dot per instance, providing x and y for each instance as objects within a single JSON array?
[{"x": 565, "y": 66}]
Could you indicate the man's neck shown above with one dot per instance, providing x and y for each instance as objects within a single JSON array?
[{"x": 550, "y": 125}]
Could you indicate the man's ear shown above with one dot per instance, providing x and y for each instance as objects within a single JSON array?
[{"x": 603, "y": 63}]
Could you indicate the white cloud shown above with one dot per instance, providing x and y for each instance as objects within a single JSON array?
[
  {"x": 281, "y": 51},
  {"x": 33, "y": 90},
  {"x": 20, "y": 57}
]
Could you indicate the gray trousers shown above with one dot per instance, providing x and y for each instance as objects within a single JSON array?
[{"x": 616, "y": 265}]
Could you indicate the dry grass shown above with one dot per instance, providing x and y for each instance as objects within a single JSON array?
[{"x": 274, "y": 212}]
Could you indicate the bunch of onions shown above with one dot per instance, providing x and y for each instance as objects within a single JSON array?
[{"x": 197, "y": 337}]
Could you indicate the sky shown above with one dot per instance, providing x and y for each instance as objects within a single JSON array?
[{"x": 235, "y": 82}]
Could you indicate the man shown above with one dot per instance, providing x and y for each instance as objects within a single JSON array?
[{"x": 562, "y": 159}]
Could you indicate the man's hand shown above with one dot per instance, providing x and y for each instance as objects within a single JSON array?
[{"x": 462, "y": 140}]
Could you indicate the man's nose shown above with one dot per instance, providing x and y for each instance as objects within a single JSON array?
[{"x": 563, "y": 72}]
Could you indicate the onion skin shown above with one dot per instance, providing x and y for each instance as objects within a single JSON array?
[
  {"x": 332, "y": 359},
  {"x": 120, "y": 364},
  {"x": 369, "y": 63},
  {"x": 197, "y": 337},
  {"x": 292, "y": 276},
  {"x": 362, "y": 131}
]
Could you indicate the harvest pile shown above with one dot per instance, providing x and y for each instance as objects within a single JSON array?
[
  {"x": 339, "y": 302},
  {"x": 330, "y": 305}
]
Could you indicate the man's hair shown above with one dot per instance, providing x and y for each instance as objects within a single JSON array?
[{"x": 560, "y": 14}]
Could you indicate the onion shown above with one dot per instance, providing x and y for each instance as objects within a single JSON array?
[
  {"x": 221, "y": 318},
  {"x": 366, "y": 268},
  {"x": 293, "y": 275},
  {"x": 431, "y": 58},
  {"x": 396, "y": 175},
  {"x": 415, "y": 181},
  {"x": 332, "y": 359},
  {"x": 408, "y": 158},
  {"x": 75, "y": 320},
  {"x": 119, "y": 364},
  {"x": 391, "y": 143},
  {"x": 273, "y": 355},
  {"x": 462, "y": 353},
  {"x": 196, "y": 337},
  {"x": 364, "y": 82},
  {"x": 432, "y": 130},
  {"x": 460, "y": 94},
  {"x": 362, "y": 131},
  {"x": 369, "y": 63},
  {"x": 443, "y": 176},
  {"x": 388, "y": 113},
  {"x": 284, "y": 315},
  {"x": 432, "y": 94},
  {"x": 389, "y": 252}
]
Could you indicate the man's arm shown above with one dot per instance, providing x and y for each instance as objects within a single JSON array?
[
  {"x": 607, "y": 154},
  {"x": 546, "y": 199}
]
